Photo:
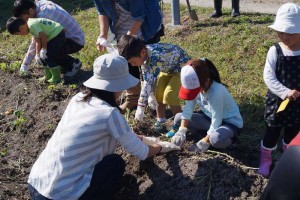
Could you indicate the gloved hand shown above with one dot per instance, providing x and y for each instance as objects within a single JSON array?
[
  {"x": 168, "y": 146},
  {"x": 43, "y": 54},
  {"x": 179, "y": 136},
  {"x": 100, "y": 42},
  {"x": 24, "y": 69},
  {"x": 199, "y": 147},
  {"x": 38, "y": 59},
  {"x": 150, "y": 140},
  {"x": 140, "y": 113},
  {"x": 152, "y": 103}
]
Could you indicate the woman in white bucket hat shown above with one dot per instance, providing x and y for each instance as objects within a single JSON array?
[
  {"x": 281, "y": 75},
  {"x": 79, "y": 161}
]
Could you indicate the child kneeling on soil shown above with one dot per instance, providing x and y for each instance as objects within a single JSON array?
[
  {"x": 79, "y": 161},
  {"x": 281, "y": 75},
  {"x": 219, "y": 115},
  {"x": 50, "y": 39},
  {"x": 161, "y": 65}
]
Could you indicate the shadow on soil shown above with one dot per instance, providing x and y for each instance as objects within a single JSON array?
[{"x": 213, "y": 179}]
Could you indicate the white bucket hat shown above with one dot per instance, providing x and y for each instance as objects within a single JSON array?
[
  {"x": 287, "y": 19},
  {"x": 111, "y": 74}
]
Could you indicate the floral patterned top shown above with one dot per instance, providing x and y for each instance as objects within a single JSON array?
[{"x": 162, "y": 57}]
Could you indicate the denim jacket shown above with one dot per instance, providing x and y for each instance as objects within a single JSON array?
[{"x": 147, "y": 11}]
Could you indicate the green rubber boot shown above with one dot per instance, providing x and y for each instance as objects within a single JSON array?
[
  {"x": 55, "y": 72},
  {"x": 47, "y": 76}
]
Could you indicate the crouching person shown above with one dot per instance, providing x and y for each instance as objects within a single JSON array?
[
  {"x": 219, "y": 115},
  {"x": 79, "y": 161}
]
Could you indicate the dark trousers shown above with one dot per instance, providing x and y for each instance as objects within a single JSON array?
[
  {"x": 104, "y": 183},
  {"x": 58, "y": 50},
  {"x": 272, "y": 135}
]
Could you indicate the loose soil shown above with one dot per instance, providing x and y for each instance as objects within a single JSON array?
[{"x": 30, "y": 112}]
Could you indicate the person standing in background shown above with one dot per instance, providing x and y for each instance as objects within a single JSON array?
[{"x": 218, "y": 8}]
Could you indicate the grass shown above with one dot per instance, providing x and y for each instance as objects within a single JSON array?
[{"x": 237, "y": 46}]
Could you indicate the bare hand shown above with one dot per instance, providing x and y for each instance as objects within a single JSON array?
[{"x": 293, "y": 94}]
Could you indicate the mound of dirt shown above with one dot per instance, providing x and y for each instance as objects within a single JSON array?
[{"x": 30, "y": 112}]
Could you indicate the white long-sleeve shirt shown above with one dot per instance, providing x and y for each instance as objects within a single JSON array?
[{"x": 270, "y": 71}]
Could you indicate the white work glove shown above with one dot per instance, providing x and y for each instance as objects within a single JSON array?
[
  {"x": 199, "y": 147},
  {"x": 100, "y": 42},
  {"x": 24, "y": 69},
  {"x": 168, "y": 146},
  {"x": 150, "y": 140},
  {"x": 38, "y": 59},
  {"x": 140, "y": 113},
  {"x": 179, "y": 136},
  {"x": 43, "y": 54},
  {"x": 152, "y": 103}
]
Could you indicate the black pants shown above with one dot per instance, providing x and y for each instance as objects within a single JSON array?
[
  {"x": 104, "y": 182},
  {"x": 58, "y": 50},
  {"x": 272, "y": 135},
  {"x": 284, "y": 182}
]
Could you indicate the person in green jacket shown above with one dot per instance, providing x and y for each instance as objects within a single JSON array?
[{"x": 50, "y": 40}]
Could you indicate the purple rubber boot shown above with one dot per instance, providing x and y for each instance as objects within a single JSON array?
[{"x": 265, "y": 162}]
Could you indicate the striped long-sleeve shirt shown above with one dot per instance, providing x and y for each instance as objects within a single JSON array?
[
  {"x": 86, "y": 133},
  {"x": 52, "y": 11}
]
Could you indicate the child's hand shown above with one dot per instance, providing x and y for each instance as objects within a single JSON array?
[
  {"x": 293, "y": 94},
  {"x": 43, "y": 54},
  {"x": 38, "y": 59}
]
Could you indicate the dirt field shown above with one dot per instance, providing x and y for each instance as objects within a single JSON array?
[{"x": 29, "y": 113}]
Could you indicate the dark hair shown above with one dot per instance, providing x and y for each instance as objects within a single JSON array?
[
  {"x": 13, "y": 25},
  {"x": 108, "y": 97},
  {"x": 130, "y": 46},
  {"x": 205, "y": 69},
  {"x": 22, "y": 7}
]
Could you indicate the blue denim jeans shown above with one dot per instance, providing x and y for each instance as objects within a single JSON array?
[{"x": 106, "y": 176}]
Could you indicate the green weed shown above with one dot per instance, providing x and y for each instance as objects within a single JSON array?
[{"x": 237, "y": 46}]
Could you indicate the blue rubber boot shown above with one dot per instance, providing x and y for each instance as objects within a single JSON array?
[{"x": 172, "y": 132}]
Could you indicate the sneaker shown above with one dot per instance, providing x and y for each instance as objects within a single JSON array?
[
  {"x": 75, "y": 68},
  {"x": 159, "y": 127},
  {"x": 172, "y": 132}
]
